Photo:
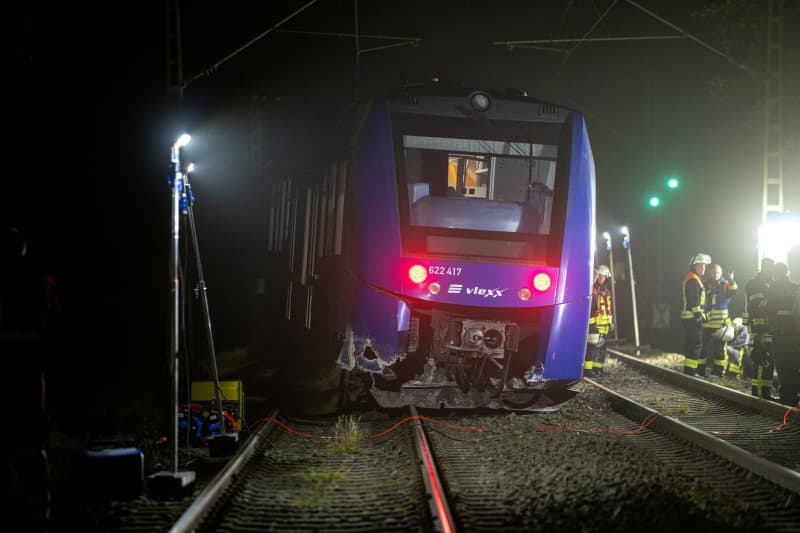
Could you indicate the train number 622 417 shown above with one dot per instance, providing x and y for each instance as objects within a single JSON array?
[{"x": 446, "y": 271}]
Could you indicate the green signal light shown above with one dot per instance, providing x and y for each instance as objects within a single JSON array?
[
  {"x": 673, "y": 183},
  {"x": 654, "y": 201}
]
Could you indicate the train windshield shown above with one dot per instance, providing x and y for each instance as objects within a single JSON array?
[{"x": 489, "y": 196}]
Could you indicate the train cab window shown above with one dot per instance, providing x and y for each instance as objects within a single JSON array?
[
  {"x": 492, "y": 188},
  {"x": 479, "y": 185}
]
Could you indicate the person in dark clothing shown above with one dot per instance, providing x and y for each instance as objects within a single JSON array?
[
  {"x": 719, "y": 291},
  {"x": 761, "y": 359},
  {"x": 737, "y": 348},
  {"x": 693, "y": 315},
  {"x": 781, "y": 296},
  {"x": 28, "y": 336}
]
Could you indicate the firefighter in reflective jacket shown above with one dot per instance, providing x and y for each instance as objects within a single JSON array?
[
  {"x": 693, "y": 314},
  {"x": 781, "y": 296},
  {"x": 763, "y": 365},
  {"x": 719, "y": 292},
  {"x": 600, "y": 323}
]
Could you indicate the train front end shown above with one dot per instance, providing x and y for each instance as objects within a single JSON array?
[{"x": 473, "y": 251}]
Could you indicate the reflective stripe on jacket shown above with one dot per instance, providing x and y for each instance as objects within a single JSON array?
[
  {"x": 694, "y": 296},
  {"x": 717, "y": 302},
  {"x": 601, "y": 308}
]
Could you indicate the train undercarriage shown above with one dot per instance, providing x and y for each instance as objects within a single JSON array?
[{"x": 456, "y": 362}]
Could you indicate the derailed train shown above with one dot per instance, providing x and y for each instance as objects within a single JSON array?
[{"x": 439, "y": 247}]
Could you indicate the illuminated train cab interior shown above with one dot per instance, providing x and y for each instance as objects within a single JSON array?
[{"x": 438, "y": 248}]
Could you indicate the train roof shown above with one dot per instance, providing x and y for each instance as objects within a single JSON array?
[{"x": 440, "y": 88}]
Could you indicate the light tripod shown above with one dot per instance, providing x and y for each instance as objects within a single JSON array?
[{"x": 187, "y": 202}]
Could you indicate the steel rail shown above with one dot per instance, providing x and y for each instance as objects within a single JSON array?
[
  {"x": 694, "y": 384},
  {"x": 193, "y": 517},
  {"x": 777, "y": 474},
  {"x": 442, "y": 517}
]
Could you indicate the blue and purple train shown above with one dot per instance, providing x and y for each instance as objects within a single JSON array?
[{"x": 439, "y": 248}]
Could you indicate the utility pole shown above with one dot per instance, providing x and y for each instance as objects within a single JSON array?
[
  {"x": 175, "y": 81},
  {"x": 773, "y": 113}
]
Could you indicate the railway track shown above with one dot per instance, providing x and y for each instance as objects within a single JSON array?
[
  {"x": 602, "y": 462},
  {"x": 522, "y": 473},
  {"x": 310, "y": 475},
  {"x": 758, "y": 426},
  {"x": 755, "y": 436}
]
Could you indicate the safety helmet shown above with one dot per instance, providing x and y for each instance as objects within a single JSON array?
[
  {"x": 602, "y": 270},
  {"x": 700, "y": 258}
]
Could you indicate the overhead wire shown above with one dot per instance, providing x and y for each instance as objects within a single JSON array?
[{"x": 213, "y": 68}]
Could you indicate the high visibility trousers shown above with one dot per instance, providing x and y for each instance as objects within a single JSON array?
[
  {"x": 693, "y": 346},
  {"x": 735, "y": 361},
  {"x": 761, "y": 384},
  {"x": 715, "y": 352}
]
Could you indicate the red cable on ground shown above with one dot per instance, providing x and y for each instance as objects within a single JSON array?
[
  {"x": 293, "y": 431},
  {"x": 410, "y": 418},
  {"x": 646, "y": 424},
  {"x": 785, "y": 419},
  {"x": 375, "y": 436},
  {"x": 641, "y": 428}
]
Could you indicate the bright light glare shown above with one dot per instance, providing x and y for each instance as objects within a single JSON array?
[
  {"x": 672, "y": 183},
  {"x": 417, "y": 273},
  {"x": 606, "y": 235},
  {"x": 541, "y": 282},
  {"x": 654, "y": 201},
  {"x": 190, "y": 168},
  {"x": 183, "y": 140},
  {"x": 624, "y": 231},
  {"x": 776, "y": 239}
]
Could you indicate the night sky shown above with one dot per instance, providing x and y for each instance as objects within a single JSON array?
[{"x": 91, "y": 128}]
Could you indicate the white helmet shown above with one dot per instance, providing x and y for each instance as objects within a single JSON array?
[
  {"x": 602, "y": 270},
  {"x": 700, "y": 258}
]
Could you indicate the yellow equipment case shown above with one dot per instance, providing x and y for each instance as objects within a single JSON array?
[{"x": 232, "y": 398}]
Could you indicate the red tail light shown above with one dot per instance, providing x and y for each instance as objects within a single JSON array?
[
  {"x": 417, "y": 273},
  {"x": 542, "y": 281}
]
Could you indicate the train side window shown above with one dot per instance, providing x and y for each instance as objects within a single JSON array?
[
  {"x": 331, "y": 210},
  {"x": 272, "y": 215},
  {"x": 322, "y": 219},
  {"x": 279, "y": 215},
  {"x": 341, "y": 178}
]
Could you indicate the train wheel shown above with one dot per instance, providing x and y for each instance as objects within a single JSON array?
[
  {"x": 462, "y": 379},
  {"x": 354, "y": 386}
]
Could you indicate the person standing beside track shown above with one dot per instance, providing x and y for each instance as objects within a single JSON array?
[
  {"x": 29, "y": 336},
  {"x": 763, "y": 364},
  {"x": 600, "y": 323},
  {"x": 719, "y": 291},
  {"x": 693, "y": 315},
  {"x": 781, "y": 296}
]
